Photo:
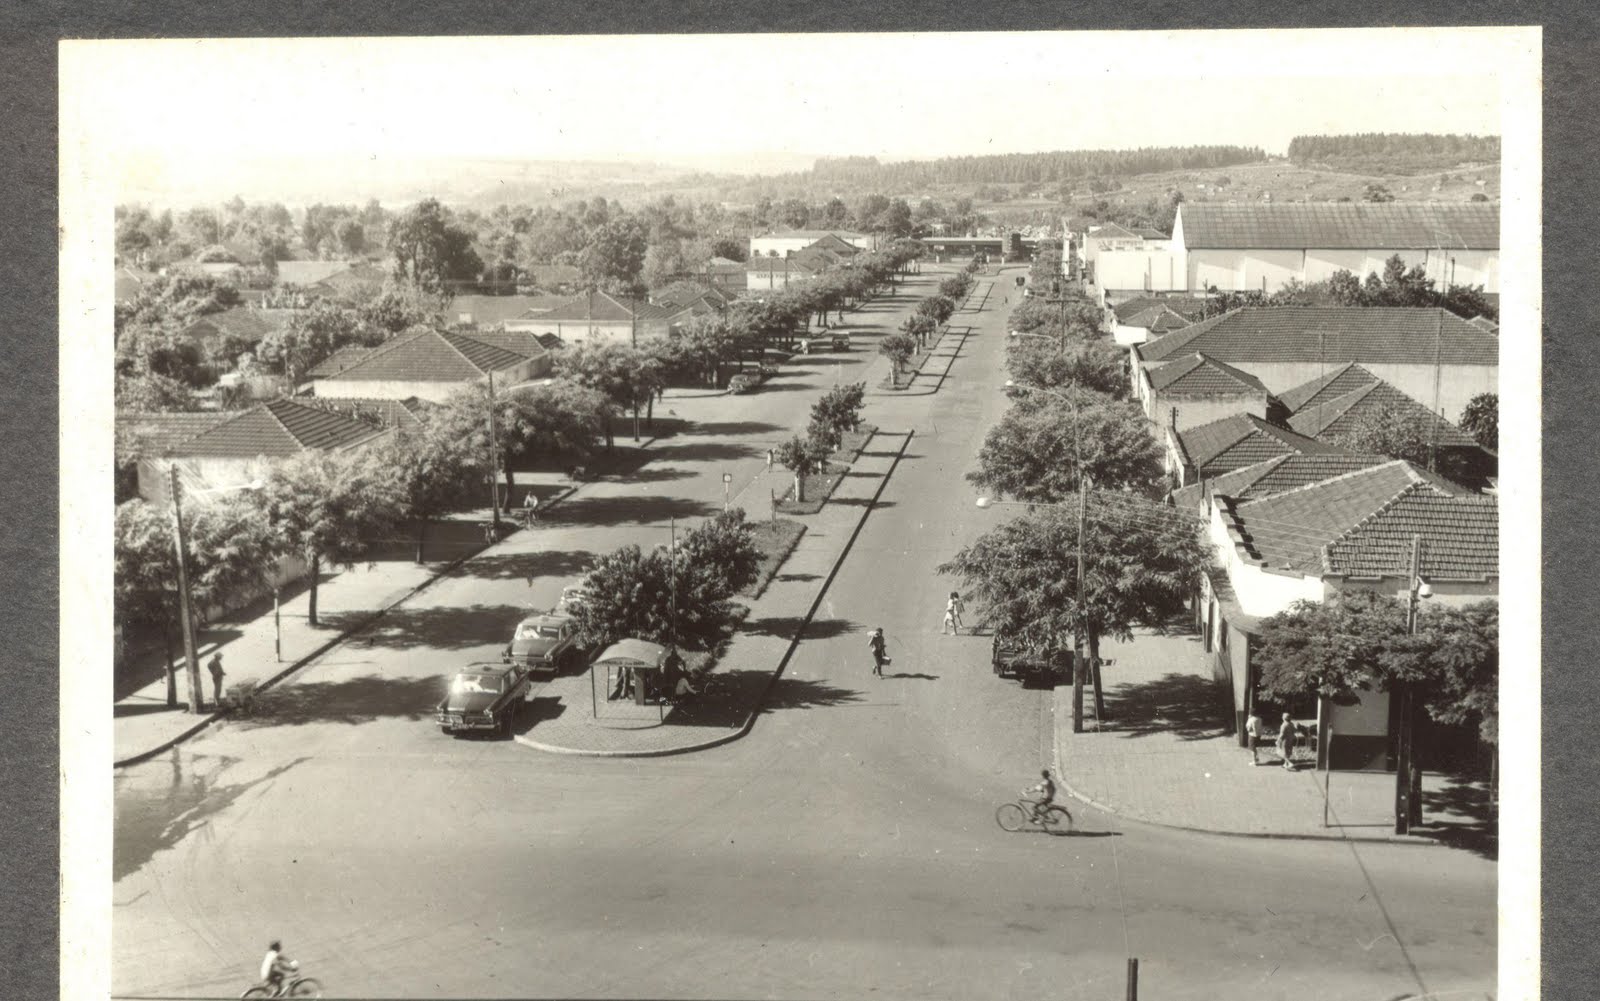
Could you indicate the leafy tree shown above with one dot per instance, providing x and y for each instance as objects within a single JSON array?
[
  {"x": 1401, "y": 431},
  {"x": 1141, "y": 565},
  {"x": 800, "y": 456},
  {"x": 1376, "y": 192},
  {"x": 230, "y": 550},
  {"x": 662, "y": 262},
  {"x": 327, "y": 508},
  {"x": 312, "y": 335},
  {"x": 429, "y": 250},
  {"x": 614, "y": 257},
  {"x": 352, "y": 237},
  {"x": 659, "y": 596},
  {"x": 429, "y": 474},
  {"x": 201, "y": 226},
  {"x": 722, "y": 555},
  {"x": 1097, "y": 365},
  {"x": 898, "y": 348},
  {"x": 1040, "y": 450},
  {"x": 1481, "y": 419},
  {"x": 153, "y": 393},
  {"x": 624, "y": 375},
  {"x": 1463, "y": 665},
  {"x": 837, "y": 411},
  {"x": 397, "y": 307}
]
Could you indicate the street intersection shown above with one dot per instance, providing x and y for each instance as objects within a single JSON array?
[{"x": 845, "y": 847}]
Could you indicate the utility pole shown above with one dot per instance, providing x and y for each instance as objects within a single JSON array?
[
  {"x": 1077, "y": 626},
  {"x": 185, "y": 612},
  {"x": 1403, "y": 739},
  {"x": 494, "y": 464}
]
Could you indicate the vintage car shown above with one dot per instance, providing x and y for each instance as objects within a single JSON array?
[
  {"x": 840, "y": 338},
  {"x": 744, "y": 382},
  {"x": 572, "y": 597},
  {"x": 544, "y": 644},
  {"x": 1030, "y": 667},
  {"x": 483, "y": 697}
]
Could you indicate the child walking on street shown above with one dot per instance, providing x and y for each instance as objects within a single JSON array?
[
  {"x": 880, "y": 651},
  {"x": 952, "y": 614}
]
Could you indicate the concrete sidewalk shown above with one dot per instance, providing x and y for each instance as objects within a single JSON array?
[
  {"x": 257, "y": 650},
  {"x": 571, "y": 715},
  {"x": 1166, "y": 756}
]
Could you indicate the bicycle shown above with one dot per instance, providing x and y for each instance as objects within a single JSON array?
[
  {"x": 294, "y": 987},
  {"x": 1014, "y": 817}
]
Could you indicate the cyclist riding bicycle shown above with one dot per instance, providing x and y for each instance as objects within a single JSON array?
[
  {"x": 1047, "y": 795},
  {"x": 275, "y": 967}
]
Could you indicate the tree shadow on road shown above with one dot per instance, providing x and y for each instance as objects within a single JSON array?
[
  {"x": 631, "y": 510},
  {"x": 785, "y": 626},
  {"x": 916, "y": 676},
  {"x": 653, "y": 475},
  {"x": 440, "y": 628},
  {"x": 732, "y": 428},
  {"x": 519, "y": 566},
  {"x": 1187, "y": 705},
  {"x": 536, "y": 711},
  {"x": 805, "y": 693},
  {"x": 353, "y": 701},
  {"x": 706, "y": 451}
]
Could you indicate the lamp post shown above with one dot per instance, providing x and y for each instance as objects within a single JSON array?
[{"x": 185, "y": 603}]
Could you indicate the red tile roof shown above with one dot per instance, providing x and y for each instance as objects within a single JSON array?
[
  {"x": 280, "y": 427},
  {"x": 1344, "y": 413},
  {"x": 1342, "y": 226},
  {"x": 1334, "y": 384},
  {"x": 522, "y": 342},
  {"x": 1189, "y": 306},
  {"x": 158, "y": 432},
  {"x": 1275, "y": 476},
  {"x": 494, "y": 310},
  {"x": 432, "y": 356},
  {"x": 1348, "y": 525},
  {"x": 338, "y": 361},
  {"x": 310, "y": 272},
  {"x": 1198, "y": 375},
  {"x": 406, "y": 413},
  {"x": 1372, "y": 336},
  {"x": 603, "y": 307},
  {"x": 1242, "y": 440}
]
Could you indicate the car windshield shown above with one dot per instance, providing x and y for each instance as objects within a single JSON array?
[
  {"x": 550, "y": 632},
  {"x": 466, "y": 684},
  {"x": 527, "y": 631}
]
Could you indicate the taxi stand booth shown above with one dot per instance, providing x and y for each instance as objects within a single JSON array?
[{"x": 632, "y": 666}]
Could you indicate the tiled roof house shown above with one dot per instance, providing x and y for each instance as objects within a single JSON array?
[
  {"x": 1198, "y": 389},
  {"x": 1312, "y": 541},
  {"x": 1233, "y": 442},
  {"x": 430, "y": 365},
  {"x": 1414, "y": 350}
]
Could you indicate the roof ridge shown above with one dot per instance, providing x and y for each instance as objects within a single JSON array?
[
  {"x": 279, "y": 420},
  {"x": 1338, "y": 406},
  {"x": 1364, "y": 471},
  {"x": 1416, "y": 486}
]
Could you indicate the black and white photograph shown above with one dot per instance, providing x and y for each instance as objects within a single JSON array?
[{"x": 918, "y": 516}]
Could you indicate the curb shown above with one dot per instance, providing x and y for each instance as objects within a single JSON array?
[
  {"x": 1255, "y": 835},
  {"x": 783, "y": 662},
  {"x": 334, "y": 641}
]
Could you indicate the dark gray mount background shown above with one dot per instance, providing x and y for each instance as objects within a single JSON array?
[{"x": 29, "y": 533}]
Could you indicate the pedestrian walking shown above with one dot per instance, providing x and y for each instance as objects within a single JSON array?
[
  {"x": 770, "y": 457},
  {"x": 216, "y": 678},
  {"x": 880, "y": 650},
  {"x": 952, "y": 613},
  {"x": 1252, "y": 732},
  {"x": 1286, "y": 742},
  {"x": 530, "y": 508}
]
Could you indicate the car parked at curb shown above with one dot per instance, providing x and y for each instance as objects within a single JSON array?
[
  {"x": 744, "y": 382},
  {"x": 1031, "y": 668},
  {"x": 544, "y": 644},
  {"x": 572, "y": 598},
  {"x": 483, "y": 697}
]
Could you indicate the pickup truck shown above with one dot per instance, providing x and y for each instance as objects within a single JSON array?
[{"x": 1030, "y": 667}]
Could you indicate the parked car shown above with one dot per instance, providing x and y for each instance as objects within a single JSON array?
[
  {"x": 544, "y": 644},
  {"x": 1030, "y": 667},
  {"x": 744, "y": 382},
  {"x": 483, "y": 697},
  {"x": 572, "y": 596},
  {"x": 840, "y": 338}
]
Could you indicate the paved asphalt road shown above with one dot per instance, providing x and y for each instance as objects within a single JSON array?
[{"x": 845, "y": 848}]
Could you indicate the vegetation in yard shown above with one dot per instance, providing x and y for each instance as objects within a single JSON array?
[
  {"x": 818, "y": 485},
  {"x": 776, "y": 540}
]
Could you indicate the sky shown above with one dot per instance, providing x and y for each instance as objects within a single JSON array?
[{"x": 181, "y": 113}]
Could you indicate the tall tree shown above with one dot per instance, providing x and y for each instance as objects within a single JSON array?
[
  {"x": 327, "y": 508},
  {"x": 430, "y": 251},
  {"x": 837, "y": 411},
  {"x": 1481, "y": 419},
  {"x": 1040, "y": 449},
  {"x": 430, "y": 475},
  {"x": 898, "y": 348},
  {"x": 1097, "y": 365},
  {"x": 614, "y": 257}
]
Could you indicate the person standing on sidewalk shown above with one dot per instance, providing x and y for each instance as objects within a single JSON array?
[
  {"x": 1252, "y": 731},
  {"x": 770, "y": 457},
  {"x": 1286, "y": 742},
  {"x": 880, "y": 650},
  {"x": 530, "y": 508},
  {"x": 215, "y": 667}
]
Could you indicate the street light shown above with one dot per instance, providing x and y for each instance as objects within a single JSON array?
[{"x": 185, "y": 609}]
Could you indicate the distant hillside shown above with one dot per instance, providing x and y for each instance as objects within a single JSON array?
[
  {"x": 1023, "y": 168},
  {"x": 1394, "y": 152}
]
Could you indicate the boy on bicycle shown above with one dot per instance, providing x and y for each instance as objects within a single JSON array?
[{"x": 1047, "y": 795}]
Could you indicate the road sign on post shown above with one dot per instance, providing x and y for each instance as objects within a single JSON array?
[{"x": 727, "y": 485}]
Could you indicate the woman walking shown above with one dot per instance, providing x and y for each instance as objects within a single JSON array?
[{"x": 952, "y": 614}]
